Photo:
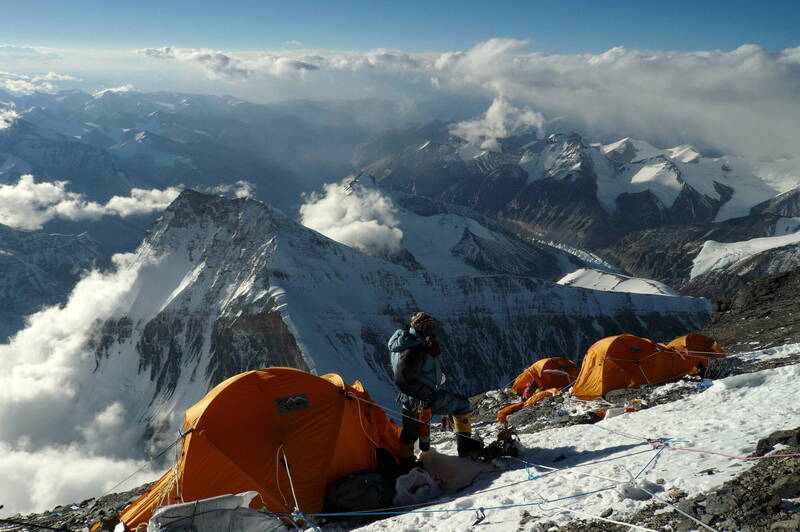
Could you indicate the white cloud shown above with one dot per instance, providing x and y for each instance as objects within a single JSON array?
[
  {"x": 56, "y": 447},
  {"x": 34, "y": 481},
  {"x": 29, "y": 205},
  {"x": 24, "y": 84},
  {"x": 54, "y": 76},
  {"x": 220, "y": 64},
  {"x": 27, "y": 52},
  {"x": 240, "y": 189},
  {"x": 501, "y": 120},
  {"x": 742, "y": 101},
  {"x": 7, "y": 117},
  {"x": 293, "y": 43},
  {"x": 357, "y": 217}
]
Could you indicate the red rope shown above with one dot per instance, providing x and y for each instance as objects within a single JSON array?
[{"x": 703, "y": 451}]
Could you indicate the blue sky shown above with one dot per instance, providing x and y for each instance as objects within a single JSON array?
[
  {"x": 414, "y": 26},
  {"x": 722, "y": 75}
]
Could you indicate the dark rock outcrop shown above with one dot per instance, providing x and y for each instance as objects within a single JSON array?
[{"x": 764, "y": 313}]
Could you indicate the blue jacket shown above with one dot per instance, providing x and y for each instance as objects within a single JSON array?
[{"x": 416, "y": 372}]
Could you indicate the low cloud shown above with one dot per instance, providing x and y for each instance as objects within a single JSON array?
[
  {"x": 240, "y": 189},
  {"x": 501, "y": 120},
  {"x": 27, "y": 52},
  {"x": 7, "y": 117},
  {"x": 42, "y": 479},
  {"x": 29, "y": 205},
  {"x": 361, "y": 218},
  {"x": 54, "y": 76},
  {"x": 57, "y": 445},
  {"x": 220, "y": 64},
  {"x": 24, "y": 84},
  {"x": 742, "y": 101}
]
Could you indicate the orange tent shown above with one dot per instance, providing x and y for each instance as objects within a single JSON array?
[
  {"x": 626, "y": 361},
  {"x": 704, "y": 348},
  {"x": 503, "y": 414},
  {"x": 555, "y": 372},
  {"x": 281, "y": 432}
]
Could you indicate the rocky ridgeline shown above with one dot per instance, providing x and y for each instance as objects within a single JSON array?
[
  {"x": 75, "y": 517},
  {"x": 764, "y": 313}
]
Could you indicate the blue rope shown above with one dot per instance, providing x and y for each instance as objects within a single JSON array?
[
  {"x": 647, "y": 465},
  {"x": 457, "y": 510},
  {"x": 664, "y": 444}
]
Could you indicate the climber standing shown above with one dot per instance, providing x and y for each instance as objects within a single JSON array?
[{"x": 418, "y": 375}]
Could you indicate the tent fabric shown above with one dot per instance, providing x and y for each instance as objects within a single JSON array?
[
  {"x": 256, "y": 429},
  {"x": 541, "y": 395},
  {"x": 226, "y": 512},
  {"x": 628, "y": 361},
  {"x": 705, "y": 349},
  {"x": 553, "y": 372}
]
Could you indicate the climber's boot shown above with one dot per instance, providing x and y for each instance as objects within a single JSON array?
[{"x": 466, "y": 444}]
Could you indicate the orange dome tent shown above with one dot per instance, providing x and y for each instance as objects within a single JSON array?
[
  {"x": 705, "y": 349},
  {"x": 255, "y": 429},
  {"x": 626, "y": 361},
  {"x": 554, "y": 372}
]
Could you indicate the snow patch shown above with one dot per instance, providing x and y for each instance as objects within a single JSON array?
[
  {"x": 611, "y": 282},
  {"x": 718, "y": 255}
]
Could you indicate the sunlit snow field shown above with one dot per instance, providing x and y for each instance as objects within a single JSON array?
[{"x": 614, "y": 456}]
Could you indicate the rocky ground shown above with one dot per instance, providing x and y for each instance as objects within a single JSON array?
[
  {"x": 75, "y": 517},
  {"x": 764, "y": 313},
  {"x": 765, "y": 497}
]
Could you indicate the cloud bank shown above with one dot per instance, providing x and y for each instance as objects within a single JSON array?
[
  {"x": 219, "y": 64},
  {"x": 57, "y": 445},
  {"x": 361, "y": 218},
  {"x": 24, "y": 84},
  {"x": 29, "y": 205},
  {"x": 743, "y": 101}
]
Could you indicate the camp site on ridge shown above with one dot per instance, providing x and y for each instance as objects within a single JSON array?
[{"x": 301, "y": 433}]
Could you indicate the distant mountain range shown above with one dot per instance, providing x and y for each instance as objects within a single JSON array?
[
  {"x": 648, "y": 211},
  {"x": 108, "y": 142},
  {"x": 39, "y": 270}
]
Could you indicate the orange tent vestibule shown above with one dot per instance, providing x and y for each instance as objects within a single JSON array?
[{"x": 554, "y": 372}]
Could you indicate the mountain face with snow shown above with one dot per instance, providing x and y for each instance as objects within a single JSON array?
[
  {"x": 40, "y": 270},
  {"x": 712, "y": 260},
  {"x": 623, "y": 200},
  {"x": 224, "y": 286}
]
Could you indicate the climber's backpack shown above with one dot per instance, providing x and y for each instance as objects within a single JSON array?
[{"x": 358, "y": 492}]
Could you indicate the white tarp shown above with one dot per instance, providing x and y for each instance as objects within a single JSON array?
[{"x": 226, "y": 513}]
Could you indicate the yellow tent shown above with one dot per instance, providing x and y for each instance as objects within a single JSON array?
[
  {"x": 627, "y": 361},
  {"x": 281, "y": 432}
]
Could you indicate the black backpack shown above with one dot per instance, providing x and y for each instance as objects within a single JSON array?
[{"x": 358, "y": 492}]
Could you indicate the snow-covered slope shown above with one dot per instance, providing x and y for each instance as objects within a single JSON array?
[
  {"x": 601, "y": 280},
  {"x": 719, "y": 256},
  {"x": 581, "y": 471},
  {"x": 228, "y": 285}
]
